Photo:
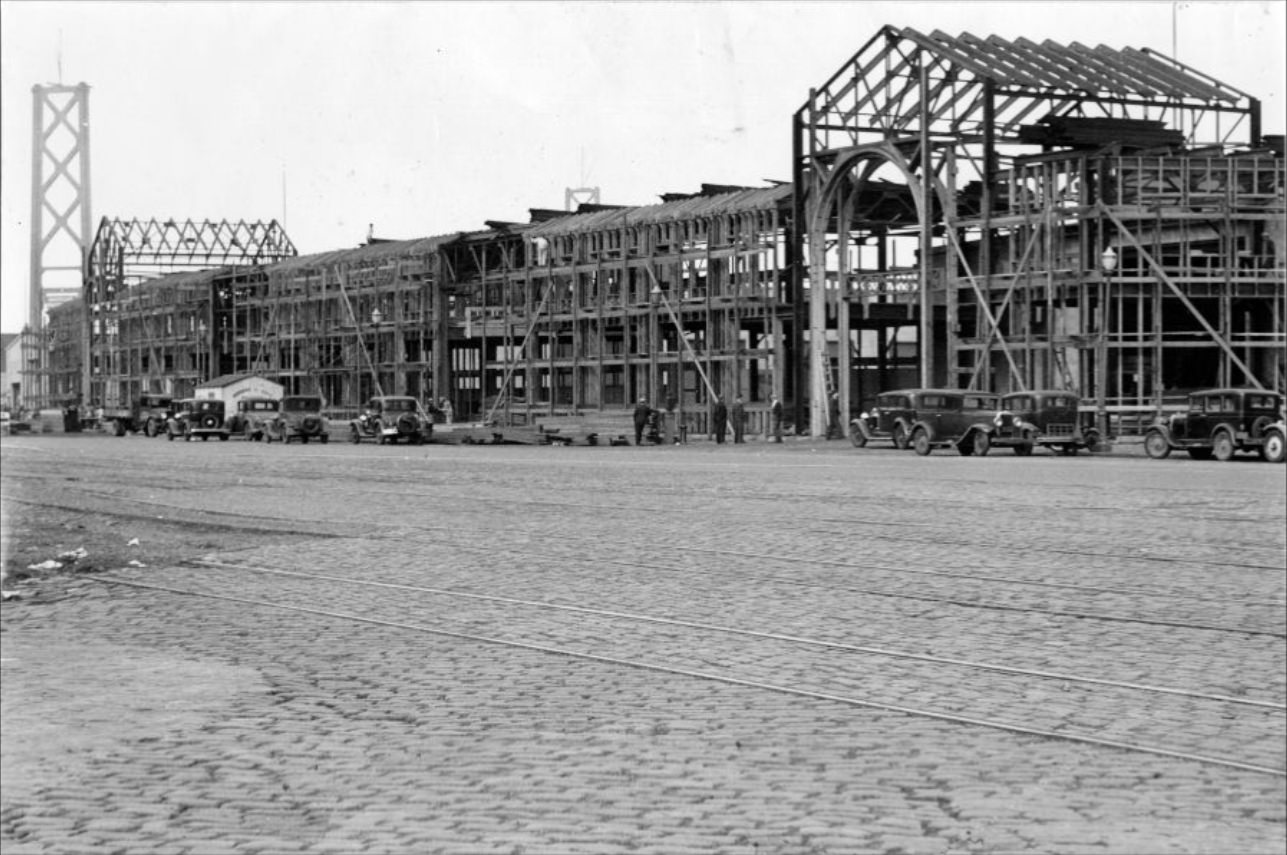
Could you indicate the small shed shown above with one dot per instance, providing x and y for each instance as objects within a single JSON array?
[{"x": 231, "y": 387}]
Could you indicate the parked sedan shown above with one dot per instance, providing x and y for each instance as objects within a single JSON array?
[{"x": 1220, "y": 423}]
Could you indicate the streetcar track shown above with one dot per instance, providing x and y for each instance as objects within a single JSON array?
[
  {"x": 816, "y": 642},
  {"x": 720, "y": 678},
  {"x": 961, "y": 603},
  {"x": 1204, "y": 563}
]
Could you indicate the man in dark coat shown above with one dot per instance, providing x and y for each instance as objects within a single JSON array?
[
  {"x": 775, "y": 411},
  {"x": 719, "y": 420},
  {"x": 642, "y": 411},
  {"x": 834, "y": 430},
  {"x": 739, "y": 420}
]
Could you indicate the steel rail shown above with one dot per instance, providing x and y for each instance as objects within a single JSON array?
[
  {"x": 771, "y": 636},
  {"x": 962, "y": 603},
  {"x": 701, "y": 675}
]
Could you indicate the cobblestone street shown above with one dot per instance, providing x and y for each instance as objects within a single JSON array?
[{"x": 804, "y": 648}]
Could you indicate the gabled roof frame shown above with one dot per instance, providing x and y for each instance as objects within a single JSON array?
[{"x": 876, "y": 93}]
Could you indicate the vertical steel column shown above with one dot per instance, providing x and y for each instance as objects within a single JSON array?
[{"x": 927, "y": 213}]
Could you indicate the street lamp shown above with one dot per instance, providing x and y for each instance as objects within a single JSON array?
[{"x": 1107, "y": 263}]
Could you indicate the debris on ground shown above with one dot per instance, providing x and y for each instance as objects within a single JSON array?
[{"x": 46, "y": 565}]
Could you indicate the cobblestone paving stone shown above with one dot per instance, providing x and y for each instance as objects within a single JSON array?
[{"x": 250, "y": 729}]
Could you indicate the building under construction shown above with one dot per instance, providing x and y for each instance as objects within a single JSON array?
[{"x": 964, "y": 212}]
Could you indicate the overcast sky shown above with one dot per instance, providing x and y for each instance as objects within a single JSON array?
[{"x": 429, "y": 117}]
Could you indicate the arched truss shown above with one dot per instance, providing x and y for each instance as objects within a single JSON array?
[{"x": 945, "y": 111}]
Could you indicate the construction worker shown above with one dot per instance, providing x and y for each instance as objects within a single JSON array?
[
  {"x": 720, "y": 420},
  {"x": 642, "y": 412},
  {"x": 833, "y": 417}
]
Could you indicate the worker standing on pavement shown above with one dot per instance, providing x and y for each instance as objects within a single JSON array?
[
  {"x": 642, "y": 412},
  {"x": 720, "y": 420},
  {"x": 739, "y": 420}
]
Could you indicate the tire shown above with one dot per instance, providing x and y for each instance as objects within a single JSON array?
[
  {"x": 1222, "y": 447},
  {"x": 901, "y": 440},
  {"x": 169, "y": 436},
  {"x": 310, "y": 425},
  {"x": 921, "y": 442},
  {"x": 1024, "y": 448},
  {"x": 857, "y": 437},
  {"x": 1273, "y": 449},
  {"x": 1155, "y": 445},
  {"x": 354, "y": 436},
  {"x": 982, "y": 443},
  {"x": 149, "y": 428},
  {"x": 1092, "y": 440}
]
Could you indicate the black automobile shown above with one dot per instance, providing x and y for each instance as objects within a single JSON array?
[
  {"x": 197, "y": 417},
  {"x": 1219, "y": 423}
]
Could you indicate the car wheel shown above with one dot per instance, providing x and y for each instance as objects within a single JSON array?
[
  {"x": 1223, "y": 446},
  {"x": 354, "y": 436},
  {"x": 900, "y": 437},
  {"x": 857, "y": 437},
  {"x": 1273, "y": 449},
  {"x": 1024, "y": 448},
  {"x": 1156, "y": 446},
  {"x": 982, "y": 443},
  {"x": 921, "y": 442},
  {"x": 149, "y": 428},
  {"x": 169, "y": 436},
  {"x": 1092, "y": 440}
]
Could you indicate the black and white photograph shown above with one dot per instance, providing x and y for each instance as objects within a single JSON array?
[{"x": 609, "y": 427}]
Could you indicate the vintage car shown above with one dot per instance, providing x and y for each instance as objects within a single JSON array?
[
  {"x": 300, "y": 419},
  {"x": 1050, "y": 418},
  {"x": 1219, "y": 423},
  {"x": 151, "y": 412},
  {"x": 391, "y": 418},
  {"x": 252, "y": 417},
  {"x": 947, "y": 418},
  {"x": 891, "y": 419},
  {"x": 197, "y": 417}
]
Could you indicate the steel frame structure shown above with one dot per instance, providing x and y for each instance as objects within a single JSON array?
[
  {"x": 145, "y": 330},
  {"x": 951, "y": 118},
  {"x": 60, "y": 223}
]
